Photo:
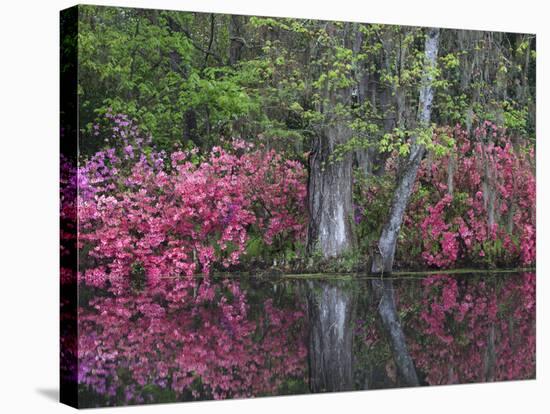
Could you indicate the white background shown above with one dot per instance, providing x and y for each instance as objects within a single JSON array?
[{"x": 29, "y": 207}]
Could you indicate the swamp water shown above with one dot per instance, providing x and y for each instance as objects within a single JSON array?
[{"x": 235, "y": 337}]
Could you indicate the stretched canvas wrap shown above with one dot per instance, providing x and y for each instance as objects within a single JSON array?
[{"x": 259, "y": 206}]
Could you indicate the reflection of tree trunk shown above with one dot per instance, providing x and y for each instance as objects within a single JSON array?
[
  {"x": 489, "y": 360},
  {"x": 330, "y": 312},
  {"x": 384, "y": 293}
]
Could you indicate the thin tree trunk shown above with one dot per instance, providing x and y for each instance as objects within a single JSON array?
[
  {"x": 450, "y": 174},
  {"x": 489, "y": 192},
  {"x": 211, "y": 39},
  {"x": 383, "y": 259}
]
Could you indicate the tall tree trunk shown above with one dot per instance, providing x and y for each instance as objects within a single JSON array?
[
  {"x": 331, "y": 310},
  {"x": 330, "y": 205},
  {"x": 488, "y": 187},
  {"x": 383, "y": 259},
  {"x": 329, "y": 193},
  {"x": 384, "y": 295},
  {"x": 362, "y": 155},
  {"x": 450, "y": 174},
  {"x": 236, "y": 39}
]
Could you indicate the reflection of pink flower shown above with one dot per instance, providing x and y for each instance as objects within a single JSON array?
[
  {"x": 173, "y": 336},
  {"x": 456, "y": 316}
]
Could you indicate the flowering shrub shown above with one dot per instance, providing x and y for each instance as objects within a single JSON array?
[
  {"x": 435, "y": 227},
  {"x": 146, "y": 214},
  {"x": 486, "y": 218},
  {"x": 68, "y": 219},
  {"x": 143, "y": 215},
  {"x": 148, "y": 223},
  {"x": 490, "y": 217}
]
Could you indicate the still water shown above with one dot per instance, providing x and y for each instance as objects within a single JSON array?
[{"x": 236, "y": 337}]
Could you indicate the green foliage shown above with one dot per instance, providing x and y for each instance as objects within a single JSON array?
[
  {"x": 372, "y": 197},
  {"x": 255, "y": 247},
  {"x": 515, "y": 119},
  {"x": 138, "y": 276},
  {"x": 146, "y": 64},
  {"x": 400, "y": 141}
]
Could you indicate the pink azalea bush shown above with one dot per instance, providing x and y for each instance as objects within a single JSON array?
[
  {"x": 68, "y": 219},
  {"x": 488, "y": 219},
  {"x": 141, "y": 211},
  {"x": 148, "y": 225},
  {"x": 490, "y": 165}
]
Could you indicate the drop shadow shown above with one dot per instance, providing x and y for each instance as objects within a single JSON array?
[{"x": 50, "y": 393}]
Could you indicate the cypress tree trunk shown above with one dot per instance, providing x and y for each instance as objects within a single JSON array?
[
  {"x": 329, "y": 195},
  {"x": 383, "y": 258},
  {"x": 330, "y": 205}
]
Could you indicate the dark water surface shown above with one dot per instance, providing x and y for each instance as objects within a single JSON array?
[{"x": 246, "y": 337}]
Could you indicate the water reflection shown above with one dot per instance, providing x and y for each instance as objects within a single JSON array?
[
  {"x": 384, "y": 297},
  {"x": 331, "y": 315},
  {"x": 243, "y": 337}
]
